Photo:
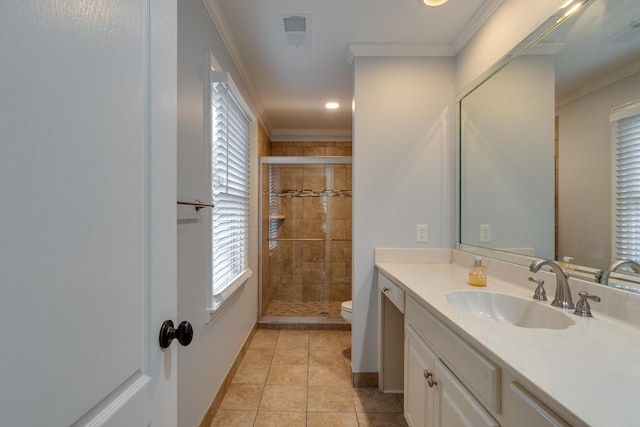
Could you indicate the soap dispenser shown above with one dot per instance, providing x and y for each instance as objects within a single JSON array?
[{"x": 477, "y": 273}]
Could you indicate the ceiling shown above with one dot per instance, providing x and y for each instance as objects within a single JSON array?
[
  {"x": 291, "y": 84},
  {"x": 601, "y": 45}
]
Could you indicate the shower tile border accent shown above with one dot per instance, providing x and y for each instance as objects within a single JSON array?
[{"x": 315, "y": 193}]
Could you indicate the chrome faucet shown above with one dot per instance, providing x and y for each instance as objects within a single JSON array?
[
  {"x": 563, "y": 293},
  {"x": 619, "y": 263}
]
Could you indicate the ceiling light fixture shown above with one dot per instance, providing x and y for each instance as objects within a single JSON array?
[
  {"x": 331, "y": 105},
  {"x": 432, "y": 2}
]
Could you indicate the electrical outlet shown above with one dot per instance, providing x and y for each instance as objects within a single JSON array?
[
  {"x": 485, "y": 233},
  {"x": 422, "y": 235}
]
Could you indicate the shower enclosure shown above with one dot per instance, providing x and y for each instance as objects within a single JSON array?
[{"x": 305, "y": 212}]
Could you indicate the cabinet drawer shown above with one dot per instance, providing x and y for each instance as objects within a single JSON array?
[
  {"x": 392, "y": 291},
  {"x": 477, "y": 372}
]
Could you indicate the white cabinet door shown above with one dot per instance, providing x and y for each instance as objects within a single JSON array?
[
  {"x": 87, "y": 216},
  {"x": 525, "y": 410},
  {"x": 455, "y": 406},
  {"x": 418, "y": 396}
]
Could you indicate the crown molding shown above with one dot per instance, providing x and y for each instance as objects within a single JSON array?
[
  {"x": 223, "y": 29},
  {"x": 475, "y": 23},
  {"x": 599, "y": 83},
  {"x": 388, "y": 49},
  {"x": 283, "y": 135}
]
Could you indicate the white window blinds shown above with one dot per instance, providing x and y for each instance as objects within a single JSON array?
[
  {"x": 626, "y": 134},
  {"x": 229, "y": 189}
]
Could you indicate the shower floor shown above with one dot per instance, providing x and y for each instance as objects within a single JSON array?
[{"x": 303, "y": 308}]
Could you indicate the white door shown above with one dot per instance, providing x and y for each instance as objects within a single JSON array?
[{"x": 87, "y": 212}]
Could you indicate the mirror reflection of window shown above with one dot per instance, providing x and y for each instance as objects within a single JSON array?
[{"x": 625, "y": 122}]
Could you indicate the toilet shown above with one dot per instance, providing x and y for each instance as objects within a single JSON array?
[{"x": 346, "y": 311}]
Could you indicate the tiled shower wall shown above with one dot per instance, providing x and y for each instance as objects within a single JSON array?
[
  {"x": 310, "y": 148},
  {"x": 308, "y": 271}
]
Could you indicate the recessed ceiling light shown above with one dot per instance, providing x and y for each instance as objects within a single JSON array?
[
  {"x": 331, "y": 105},
  {"x": 432, "y": 2}
]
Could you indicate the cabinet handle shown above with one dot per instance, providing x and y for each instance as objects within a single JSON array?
[
  {"x": 385, "y": 289},
  {"x": 429, "y": 376}
]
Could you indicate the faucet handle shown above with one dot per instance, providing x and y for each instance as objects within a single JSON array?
[
  {"x": 582, "y": 307},
  {"x": 540, "y": 294}
]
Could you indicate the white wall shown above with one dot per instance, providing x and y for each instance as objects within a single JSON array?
[
  {"x": 203, "y": 365},
  {"x": 402, "y": 173},
  {"x": 584, "y": 226}
]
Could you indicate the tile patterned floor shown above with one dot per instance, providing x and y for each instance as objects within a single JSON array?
[
  {"x": 303, "y": 308},
  {"x": 300, "y": 378}
]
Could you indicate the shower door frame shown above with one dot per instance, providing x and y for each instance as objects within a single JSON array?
[{"x": 290, "y": 160}]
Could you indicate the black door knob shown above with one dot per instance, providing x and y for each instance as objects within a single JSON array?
[{"x": 183, "y": 333}]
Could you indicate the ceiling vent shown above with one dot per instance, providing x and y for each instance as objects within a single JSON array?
[{"x": 296, "y": 30}]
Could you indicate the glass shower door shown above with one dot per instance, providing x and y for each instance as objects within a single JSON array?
[{"x": 306, "y": 237}]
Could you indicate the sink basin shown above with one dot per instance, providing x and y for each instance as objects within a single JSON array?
[{"x": 514, "y": 310}]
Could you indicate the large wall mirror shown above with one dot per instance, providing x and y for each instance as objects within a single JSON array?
[{"x": 536, "y": 148}]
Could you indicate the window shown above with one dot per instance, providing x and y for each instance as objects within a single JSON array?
[
  {"x": 229, "y": 189},
  {"x": 274, "y": 203},
  {"x": 626, "y": 135}
]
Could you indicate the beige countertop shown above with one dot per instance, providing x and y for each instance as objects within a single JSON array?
[{"x": 589, "y": 372}]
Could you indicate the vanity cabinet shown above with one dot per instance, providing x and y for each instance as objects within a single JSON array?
[
  {"x": 454, "y": 405},
  {"x": 448, "y": 383},
  {"x": 391, "y": 336},
  {"x": 418, "y": 396},
  {"x": 433, "y": 394}
]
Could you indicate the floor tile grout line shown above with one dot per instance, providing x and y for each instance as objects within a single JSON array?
[
  {"x": 255, "y": 419},
  {"x": 360, "y": 417}
]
